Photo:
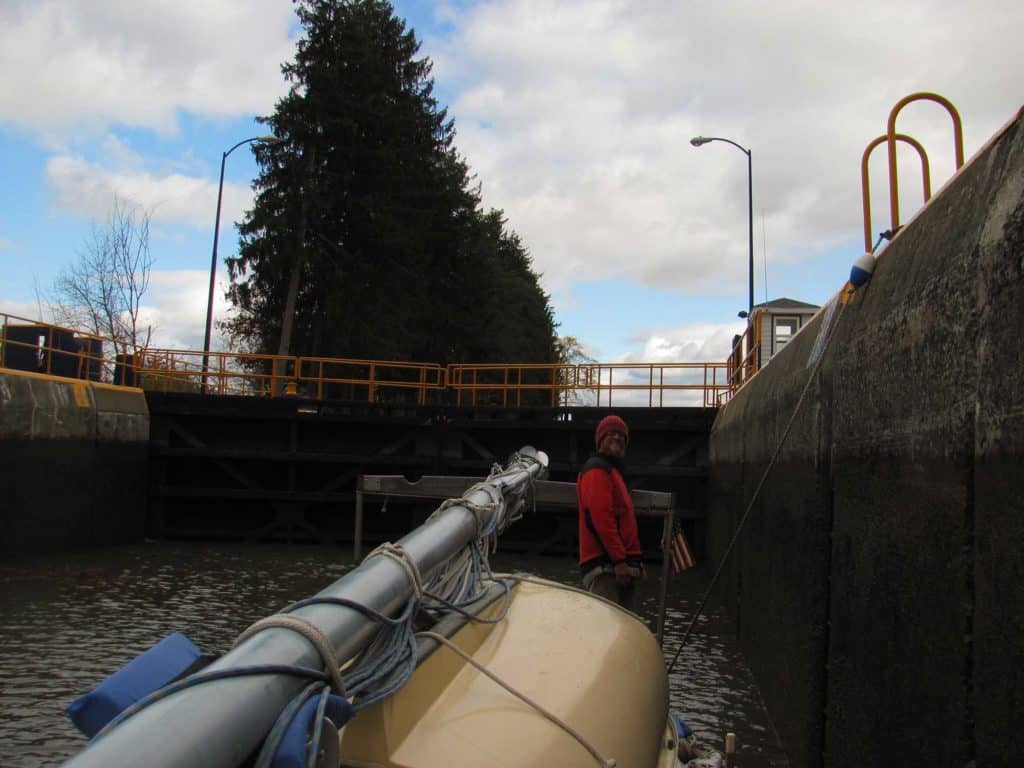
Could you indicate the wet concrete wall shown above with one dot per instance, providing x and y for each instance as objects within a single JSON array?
[
  {"x": 73, "y": 462},
  {"x": 878, "y": 583}
]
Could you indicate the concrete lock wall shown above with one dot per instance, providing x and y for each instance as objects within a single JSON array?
[
  {"x": 878, "y": 583},
  {"x": 73, "y": 462}
]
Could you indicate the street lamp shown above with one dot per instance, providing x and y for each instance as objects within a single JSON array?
[
  {"x": 699, "y": 141},
  {"x": 213, "y": 261}
]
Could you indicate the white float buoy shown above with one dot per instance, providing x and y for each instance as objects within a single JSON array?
[{"x": 861, "y": 270}]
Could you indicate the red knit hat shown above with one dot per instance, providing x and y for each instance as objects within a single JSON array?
[{"x": 610, "y": 424}]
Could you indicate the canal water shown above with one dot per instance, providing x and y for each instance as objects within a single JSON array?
[{"x": 66, "y": 622}]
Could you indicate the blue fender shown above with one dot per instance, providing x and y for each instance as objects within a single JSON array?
[
  {"x": 292, "y": 751},
  {"x": 149, "y": 671}
]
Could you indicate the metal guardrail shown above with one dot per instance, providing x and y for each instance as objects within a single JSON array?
[
  {"x": 745, "y": 358},
  {"x": 587, "y": 383},
  {"x": 276, "y": 375},
  {"x": 505, "y": 385},
  {"x": 28, "y": 345},
  {"x": 657, "y": 380},
  {"x": 45, "y": 348}
]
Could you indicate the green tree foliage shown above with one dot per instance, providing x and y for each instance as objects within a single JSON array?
[{"x": 367, "y": 199}]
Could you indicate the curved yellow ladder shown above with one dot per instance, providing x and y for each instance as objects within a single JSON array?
[
  {"x": 958, "y": 143},
  {"x": 865, "y": 186}
]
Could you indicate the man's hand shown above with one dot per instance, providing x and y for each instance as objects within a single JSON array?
[{"x": 623, "y": 574}]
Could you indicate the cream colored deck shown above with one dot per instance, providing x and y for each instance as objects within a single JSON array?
[{"x": 596, "y": 666}]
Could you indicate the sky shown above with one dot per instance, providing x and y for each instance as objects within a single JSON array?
[{"x": 575, "y": 116}]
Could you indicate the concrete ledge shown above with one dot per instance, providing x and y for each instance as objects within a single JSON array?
[{"x": 75, "y": 459}]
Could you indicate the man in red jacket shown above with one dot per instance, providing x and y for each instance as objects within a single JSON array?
[{"x": 610, "y": 554}]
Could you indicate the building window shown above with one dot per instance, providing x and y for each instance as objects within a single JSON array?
[{"x": 784, "y": 328}]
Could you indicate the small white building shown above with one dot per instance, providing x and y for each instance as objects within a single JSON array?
[{"x": 779, "y": 320}]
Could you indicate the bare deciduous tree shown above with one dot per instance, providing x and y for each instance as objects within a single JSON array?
[
  {"x": 571, "y": 351},
  {"x": 102, "y": 291}
]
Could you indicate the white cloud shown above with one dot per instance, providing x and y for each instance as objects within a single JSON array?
[
  {"x": 695, "y": 341},
  {"x": 88, "y": 188},
  {"x": 73, "y": 65},
  {"x": 684, "y": 363},
  {"x": 577, "y": 116},
  {"x": 21, "y": 310},
  {"x": 175, "y": 307}
]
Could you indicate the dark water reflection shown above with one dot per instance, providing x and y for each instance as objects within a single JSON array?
[{"x": 67, "y": 622}]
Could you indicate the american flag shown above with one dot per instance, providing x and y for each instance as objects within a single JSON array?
[{"x": 679, "y": 551}]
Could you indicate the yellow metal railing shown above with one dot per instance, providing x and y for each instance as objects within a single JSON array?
[
  {"x": 507, "y": 384},
  {"x": 46, "y": 348},
  {"x": 331, "y": 377},
  {"x": 634, "y": 384},
  {"x": 745, "y": 359},
  {"x": 29, "y": 345},
  {"x": 657, "y": 380},
  {"x": 231, "y": 373}
]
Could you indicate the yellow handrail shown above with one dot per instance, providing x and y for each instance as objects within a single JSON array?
[
  {"x": 55, "y": 351},
  {"x": 866, "y": 189},
  {"x": 507, "y": 384},
  {"x": 958, "y": 145},
  {"x": 745, "y": 359}
]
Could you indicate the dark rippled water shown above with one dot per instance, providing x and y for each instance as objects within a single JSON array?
[{"x": 67, "y": 622}]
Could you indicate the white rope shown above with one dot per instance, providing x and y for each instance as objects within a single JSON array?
[
  {"x": 397, "y": 553},
  {"x": 764, "y": 476},
  {"x": 459, "y": 579},
  {"x": 308, "y": 630},
  {"x": 480, "y": 511},
  {"x": 607, "y": 762}
]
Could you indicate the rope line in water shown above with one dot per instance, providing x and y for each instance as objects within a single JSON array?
[{"x": 760, "y": 485}]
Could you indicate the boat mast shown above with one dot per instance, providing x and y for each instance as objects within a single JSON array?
[{"x": 219, "y": 724}]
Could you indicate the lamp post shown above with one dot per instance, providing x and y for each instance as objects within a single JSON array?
[
  {"x": 213, "y": 260},
  {"x": 699, "y": 141}
]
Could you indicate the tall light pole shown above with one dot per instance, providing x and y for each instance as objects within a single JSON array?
[
  {"x": 216, "y": 235},
  {"x": 699, "y": 141}
]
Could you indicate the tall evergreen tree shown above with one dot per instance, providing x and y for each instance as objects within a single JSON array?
[{"x": 366, "y": 212}]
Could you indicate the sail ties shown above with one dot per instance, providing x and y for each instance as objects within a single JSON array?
[
  {"x": 312, "y": 633},
  {"x": 397, "y": 553}
]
